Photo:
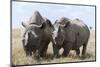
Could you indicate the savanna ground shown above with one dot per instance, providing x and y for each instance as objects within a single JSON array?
[{"x": 19, "y": 57}]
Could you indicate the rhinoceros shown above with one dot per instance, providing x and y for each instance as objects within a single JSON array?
[
  {"x": 70, "y": 35},
  {"x": 37, "y": 35}
]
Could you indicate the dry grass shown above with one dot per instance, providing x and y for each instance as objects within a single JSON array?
[{"x": 19, "y": 57}]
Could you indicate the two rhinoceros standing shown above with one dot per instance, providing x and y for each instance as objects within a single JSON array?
[{"x": 64, "y": 33}]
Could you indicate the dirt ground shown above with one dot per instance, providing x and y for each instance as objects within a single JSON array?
[{"x": 19, "y": 57}]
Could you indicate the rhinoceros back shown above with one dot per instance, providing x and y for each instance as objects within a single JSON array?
[{"x": 81, "y": 32}]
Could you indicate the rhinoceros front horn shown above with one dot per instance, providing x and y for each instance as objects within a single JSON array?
[
  {"x": 39, "y": 26},
  {"x": 24, "y": 25},
  {"x": 29, "y": 25}
]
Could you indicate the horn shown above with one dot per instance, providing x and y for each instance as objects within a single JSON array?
[
  {"x": 59, "y": 29},
  {"x": 23, "y": 24},
  {"x": 36, "y": 25}
]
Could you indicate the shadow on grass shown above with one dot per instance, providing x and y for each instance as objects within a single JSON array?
[
  {"x": 87, "y": 56},
  {"x": 49, "y": 58}
]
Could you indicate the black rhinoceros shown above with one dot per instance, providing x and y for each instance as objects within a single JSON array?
[
  {"x": 70, "y": 35},
  {"x": 37, "y": 35}
]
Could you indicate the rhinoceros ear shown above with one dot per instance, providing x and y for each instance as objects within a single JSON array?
[
  {"x": 49, "y": 22},
  {"x": 43, "y": 26},
  {"x": 24, "y": 25},
  {"x": 67, "y": 24}
]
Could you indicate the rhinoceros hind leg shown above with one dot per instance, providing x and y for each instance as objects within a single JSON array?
[
  {"x": 78, "y": 52},
  {"x": 84, "y": 49},
  {"x": 65, "y": 53},
  {"x": 56, "y": 51}
]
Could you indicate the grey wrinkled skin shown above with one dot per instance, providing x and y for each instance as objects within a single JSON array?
[
  {"x": 70, "y": 35},
  {"x": 37, "y": 35}
]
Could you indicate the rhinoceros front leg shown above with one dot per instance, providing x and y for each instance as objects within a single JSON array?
[
  {"x": 44, "y": 50},
  {"x": 67, "y": 47},
  {"x": 56, "y": 51}
]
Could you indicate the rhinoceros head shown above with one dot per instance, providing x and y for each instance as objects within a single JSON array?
[
  {"x": 59, "y": 30},
  {"x": 31, "y": 36},
  {"x": 57, "y": 35}
]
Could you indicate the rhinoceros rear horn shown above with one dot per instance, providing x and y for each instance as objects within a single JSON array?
[
  {"x": 24, "y": 25},
  {"x": 59, "y": 29}
]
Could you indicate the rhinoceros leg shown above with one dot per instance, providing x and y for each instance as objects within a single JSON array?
[
  {"x": 84, "y": 49},
  {"x": 56, "y": 51},
  {"x": 28, "y": 53},
  {"x": 67, "y": 47},
  {"x": 44, "y": 49},
  {"x": 34, "y": 50},
  {"x": 77, "y": 52},
  {"x": 40, "y": 50}
]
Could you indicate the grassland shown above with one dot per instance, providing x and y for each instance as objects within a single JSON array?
[{"x": 19, "y": 57}]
